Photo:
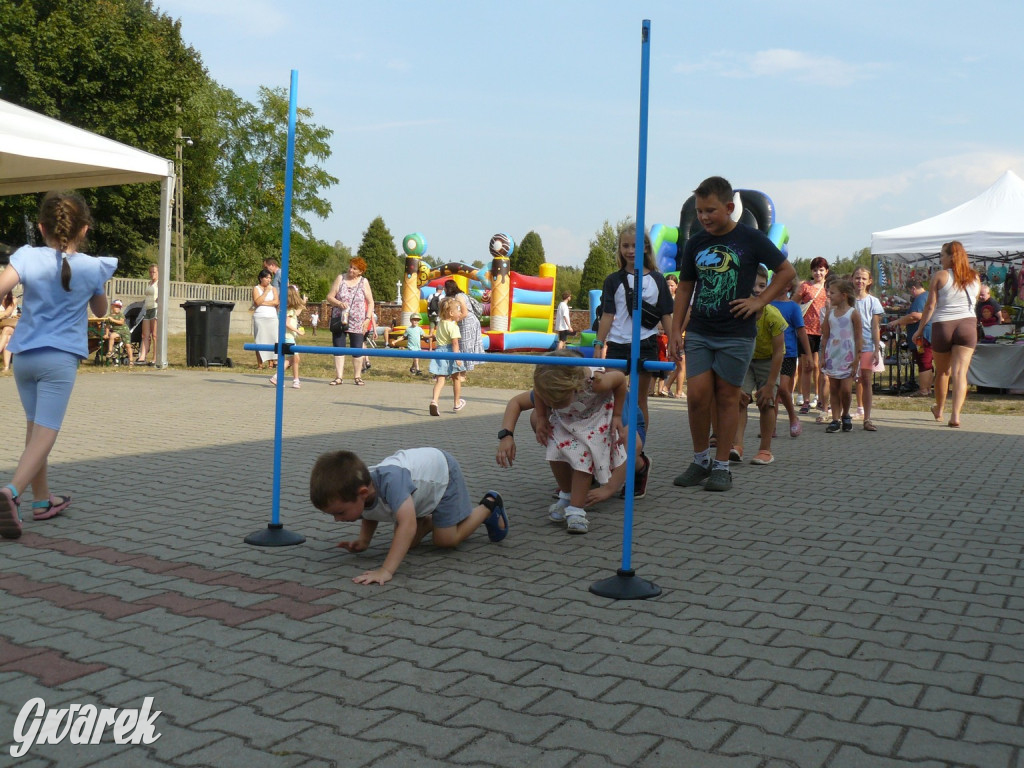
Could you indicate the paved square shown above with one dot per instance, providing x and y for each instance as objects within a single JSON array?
[{"x": 860, "y": 602}]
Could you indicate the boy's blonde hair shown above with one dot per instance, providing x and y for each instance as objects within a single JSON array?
[
  {"x": 337, "y": 475},
  {"x": 558, "y": 383}
]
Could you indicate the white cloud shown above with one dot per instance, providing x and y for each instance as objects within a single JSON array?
[
  {"x": 397, "y": 65},
  {"x": 784, "y": 63},
  {"x": 935, "y": 186}
]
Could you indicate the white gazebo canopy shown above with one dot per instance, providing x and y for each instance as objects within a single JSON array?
[
  {"x": 38, "y": 153},
  {"x": 991, "y": 227}
]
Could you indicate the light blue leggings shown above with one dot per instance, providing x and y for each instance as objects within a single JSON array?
[{"x": 45, "y": 378}]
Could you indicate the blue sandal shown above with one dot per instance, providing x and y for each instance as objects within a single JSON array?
[
  {"x": 44, "y": 510},
  {"x": 498, "y": 516}
]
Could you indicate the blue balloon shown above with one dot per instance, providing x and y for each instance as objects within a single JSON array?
[{"x": 666, "y": 257}]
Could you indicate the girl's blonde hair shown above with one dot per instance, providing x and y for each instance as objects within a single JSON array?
[
  {"x": 556, "y": 384},
  {"x": 295, "y": 299},
  {"x": 846, "y": 288},
  {"x": 866, "y": 271},
  {"x": 628, "y": 233},
  {"x": 449, "y": 308},
  {"x": 963, "y": 274}
]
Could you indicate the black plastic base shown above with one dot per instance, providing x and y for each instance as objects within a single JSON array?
[
  {"x": 274, "y": 535},
  {"x": 625, "y": 585}
]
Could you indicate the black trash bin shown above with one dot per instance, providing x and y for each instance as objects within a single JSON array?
[{"x": 206, "y": 333}]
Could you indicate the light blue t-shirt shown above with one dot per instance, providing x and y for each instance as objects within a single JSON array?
[
  {"x": 413, "y": 337},
  {"x": 868, "y": 307},
  {"x": 50, "y": 316}
]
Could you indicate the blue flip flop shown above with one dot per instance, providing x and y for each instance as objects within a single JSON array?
[{"x": 493, "y": 523}]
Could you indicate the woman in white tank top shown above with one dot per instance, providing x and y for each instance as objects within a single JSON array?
[{"x": 950, "y": 309}]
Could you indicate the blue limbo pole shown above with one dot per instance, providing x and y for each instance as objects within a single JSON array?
[
  {"x": 625, "y": 584},
  {"x": 275, "y": 535}
]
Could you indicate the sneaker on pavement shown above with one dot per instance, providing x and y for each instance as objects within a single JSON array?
[
  {"x": 795, "y": 428},
  {"x": 834, "y": 426},
  {"x": 805, "y": 408},
  {"x": 296, "y": 384},
  {"x": 763, "y": 457},
  {"x": 577, "y": 524},
  {"x": 736, "y": 454},
  {"x": 695, "y": 474},
  {"x": 719, "y": 480}
]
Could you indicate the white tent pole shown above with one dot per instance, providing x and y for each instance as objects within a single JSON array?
[{"x": 164, "y": 284}]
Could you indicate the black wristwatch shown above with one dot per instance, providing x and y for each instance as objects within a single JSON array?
[{"x": 505, "y": 433}]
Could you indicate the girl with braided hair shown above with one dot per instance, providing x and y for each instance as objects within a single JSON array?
[{"x": 58, "y": 284}]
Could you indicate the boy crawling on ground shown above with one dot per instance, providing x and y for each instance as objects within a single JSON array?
[{"x": 419, "y": 490}]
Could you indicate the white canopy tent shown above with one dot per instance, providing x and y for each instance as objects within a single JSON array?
[
  {"x": 991, "y": 227},
  {"x": 38, "y": 153}
]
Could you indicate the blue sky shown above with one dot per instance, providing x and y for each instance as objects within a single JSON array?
[{"x": 462, "y": 119}]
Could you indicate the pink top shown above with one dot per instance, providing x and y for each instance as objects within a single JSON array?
[{"x": 812, "y": 317}]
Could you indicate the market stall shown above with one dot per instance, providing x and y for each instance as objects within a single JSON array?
[{"x": 991, "y": 228}]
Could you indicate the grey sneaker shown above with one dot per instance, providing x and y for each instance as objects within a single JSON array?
[
  {"x": 720, "y": 480},
  {"x": 556, "y": 512},
  {"x": 577, "y": 524},
  {"x": 695, "y": 474}
]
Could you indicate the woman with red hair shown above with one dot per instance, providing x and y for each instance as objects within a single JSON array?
[
  {"x": 351, "y": 303},
  {"x": 950, "y": 309}
]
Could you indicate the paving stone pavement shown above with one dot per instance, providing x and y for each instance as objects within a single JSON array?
[{"x": 858, "y": 603}]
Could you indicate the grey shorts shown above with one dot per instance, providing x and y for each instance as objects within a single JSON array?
[
  {"x": 757, "y": 375},
  {"x": 727, "y": 356},
  {"x": 455, "y": 505}
]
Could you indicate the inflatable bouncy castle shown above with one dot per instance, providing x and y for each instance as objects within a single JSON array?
[
  {"x": 752, "y": 208},
  {"x": 519, "y": 308}
]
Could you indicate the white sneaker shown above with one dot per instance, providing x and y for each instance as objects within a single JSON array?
[
  {"x": 799, "y": 399},
  {"x": 814, "y": 402},
  {"x": 296, "y": 384},
  {"x": 273, "y": 379},
  {"x": 577, "y": 524},
  {"x": 556, "y": 512}
]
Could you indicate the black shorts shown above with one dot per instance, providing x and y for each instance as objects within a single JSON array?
[
  {"x": 563, "y": 335},
  {"x": 648, "y": 351},
  {"x": 789, "y": 366},
  {"x": 814, "y": 340}
]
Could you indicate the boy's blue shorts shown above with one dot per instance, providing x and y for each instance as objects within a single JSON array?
[
  {"x": 727, "y": 356},
  {"x": 455, "y": 505}
]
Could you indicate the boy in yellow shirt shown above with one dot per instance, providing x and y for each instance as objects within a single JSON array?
[{"x": 762, "y": 379}]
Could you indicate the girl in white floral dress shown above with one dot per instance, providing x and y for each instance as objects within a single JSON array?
[{"x": 579, "y": 413}]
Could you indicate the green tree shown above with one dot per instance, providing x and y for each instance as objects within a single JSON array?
[
  {"x": 600, "y": 261},
  {"x": 528, "y": 255},
  {"x": 384, "y": 267},
  {"x": 567, "y": 279},
  {"x": 248, "y": 200},
  {"x": 117, "y": 68}
]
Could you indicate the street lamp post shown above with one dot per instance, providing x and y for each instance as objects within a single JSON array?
[{"x": 179, "y": 228}]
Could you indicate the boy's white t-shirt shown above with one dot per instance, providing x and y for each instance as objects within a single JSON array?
[{"x": 418, "y": 472}]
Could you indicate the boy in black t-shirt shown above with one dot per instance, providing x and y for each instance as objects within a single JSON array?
[{"x": 717, "y": 268}]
